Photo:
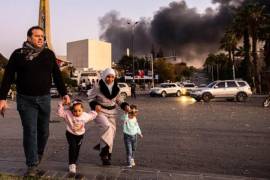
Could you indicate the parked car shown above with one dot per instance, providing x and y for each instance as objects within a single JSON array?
[
  {"x": 54, "y": 92},
  {"x": 229, "y": 89},
  {"x": 125, "y": 90},
  {"x": 202, "y": 85},
  {"x": 166, "y": 89},
  {"x": 188, "y": 87}
]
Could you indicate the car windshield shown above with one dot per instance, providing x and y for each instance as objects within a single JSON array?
[
  {"x": 189, "y": 85},
  {"x": 211, "y": 84},
  {"x": 164, "y": 85}
]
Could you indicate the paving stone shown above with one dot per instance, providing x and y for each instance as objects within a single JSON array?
[
  {"x": 111, "y": 178},
  {"x": 20, "y": 171},
  {"x": 172, "y": 176},
  {"x": 100, "y": 177},
  {"x": 224, "y": 178},
  {"x": 61, "y": 174},
  {"x": 50, "y": 174},
  {"x": 137, "y": 175}
]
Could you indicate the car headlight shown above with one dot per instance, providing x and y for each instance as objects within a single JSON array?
[{"x": 184, "y": 91}]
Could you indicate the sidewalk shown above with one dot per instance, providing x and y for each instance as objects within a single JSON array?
[{"x": 57, "y": 170}]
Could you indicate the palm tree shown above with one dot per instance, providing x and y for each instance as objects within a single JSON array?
[
  {"x": 240, "y": 28},
  {"x": 246, "y": 25},
  {"x": 218, "y": 66},
  {"x": 255, "y": 20},
  {"x": 209, "y": 64},
  {"x": 229, "y": 43},
  {"x": 265, "y": 36},
  {"x": 225, "y": 66}
]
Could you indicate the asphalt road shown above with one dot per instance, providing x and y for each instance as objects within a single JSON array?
[{"x": 179, "y": 134}]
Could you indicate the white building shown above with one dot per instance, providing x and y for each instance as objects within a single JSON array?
[
  {"x": 92, "y": 54},
  {"x": 86, "y": 75}
]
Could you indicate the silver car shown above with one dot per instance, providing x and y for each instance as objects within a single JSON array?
[
  {"x": 125, "y": 90},
  {"x": 54, "y": 92},
  {"x": 166, "y": 89},
  {"x": 228, "y": 89}
]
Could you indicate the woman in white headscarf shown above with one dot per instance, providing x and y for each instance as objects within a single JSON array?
[{"x": 106, "y": 94}]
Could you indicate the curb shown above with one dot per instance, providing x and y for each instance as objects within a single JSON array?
[{"x": 57, "y": 170}]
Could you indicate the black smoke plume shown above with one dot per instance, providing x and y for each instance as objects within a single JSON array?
[{"x": 176, "y": 29}]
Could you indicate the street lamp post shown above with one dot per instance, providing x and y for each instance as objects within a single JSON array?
[
  {"x": 132, "y": 47},
  {"x": 152, "y": 68},
  {"x": 233, "y": 67}
]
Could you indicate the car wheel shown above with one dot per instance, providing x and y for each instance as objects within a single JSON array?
[
  {"x": 206, "y": 97},
  {"x": 198, "y": 99},
  {"x": 124, "y": 95},
  {"x": 241, "y": 97},
  {"x": 178, "y": 93},
  {"x": 163, "y": 94}
]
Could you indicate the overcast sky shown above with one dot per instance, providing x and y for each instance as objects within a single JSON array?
[{"x": 72, "y": 19}]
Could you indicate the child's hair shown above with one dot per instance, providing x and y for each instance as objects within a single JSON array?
[
  {"x": 133, "y": 109},
  {"x": 75, "y": 102}
]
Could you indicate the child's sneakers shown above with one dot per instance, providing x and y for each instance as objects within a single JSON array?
[
  {"x": 132, "y": 162},
  {"x": 72, "y": 168}
]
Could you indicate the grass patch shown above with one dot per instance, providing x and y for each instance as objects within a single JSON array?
[{"x": 14, "y": 177}]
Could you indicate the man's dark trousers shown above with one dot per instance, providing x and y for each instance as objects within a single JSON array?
[{"x": 35, "y": 115}]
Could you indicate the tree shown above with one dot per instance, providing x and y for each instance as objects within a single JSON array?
[
  {"x": 224, "y": 65},
  {"x": 66, "y": 77},
  {"x": 160, "y": 53},
  {"x": 229, "y": 43},
  {"x": 218, "y": 66},
  {"x": 187, "y": 72},
  {"x": 3, "y": 61},
  {"x": 247, "y": 24},
  {"x": 209, "y": 65},
  {"x": 265, "y": 36},
  {"x": 179, "y": 68},
  {"x": 241, "y": 30},
  {"x": 183, "y": 71},
  {"x": 255, "y": 21},
  {"x": 126, "y": 63},
  {"x": 1, "y": 74},
  {"x": 165, "y": 70}
]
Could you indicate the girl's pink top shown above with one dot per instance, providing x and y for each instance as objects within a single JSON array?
[{"x": 75, "y": 125}]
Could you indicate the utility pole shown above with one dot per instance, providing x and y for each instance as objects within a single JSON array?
[
  {"x": 233, "y": 70},
  {"x": 212, "y": 71},
  {"x": 152, "y": 68},
  {"x": 217, "y": 73}
]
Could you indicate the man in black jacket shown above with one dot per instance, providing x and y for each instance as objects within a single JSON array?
[{"x": 34, "y": 65}]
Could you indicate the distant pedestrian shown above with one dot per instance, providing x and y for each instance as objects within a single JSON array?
[
  {"x": 32, "y": 68},
  {"x": 83, "y": 85},
  {"x": 133, "y": 89},
  {"x": 75, "y": 119},
  {"x": 131, "y": 129},
  {"x": 13, "y": 95}
]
